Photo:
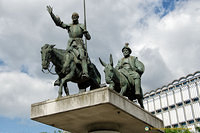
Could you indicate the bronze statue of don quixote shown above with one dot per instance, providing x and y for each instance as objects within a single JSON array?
[{"x": 73, "y": 63}]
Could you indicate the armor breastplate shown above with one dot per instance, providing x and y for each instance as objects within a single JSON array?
[{"x": 75, "y": 31}]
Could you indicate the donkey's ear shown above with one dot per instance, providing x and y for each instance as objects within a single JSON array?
[
  {"x": 53, "y": 46},
  {"x": 111, "y": 60},
  {"x": 102, "y": 63}
]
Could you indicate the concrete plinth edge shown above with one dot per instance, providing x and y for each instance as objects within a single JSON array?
[
  {"x": 105, "y": 132},
  {"x": 94, "y": 111}
]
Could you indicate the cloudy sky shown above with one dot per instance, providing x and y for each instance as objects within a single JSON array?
[{"x": 163, "y": 34}]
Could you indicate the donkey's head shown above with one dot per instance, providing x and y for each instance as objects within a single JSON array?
[
  {"x": 46, "y": 55},
  {"x": 108, "y": 70}
]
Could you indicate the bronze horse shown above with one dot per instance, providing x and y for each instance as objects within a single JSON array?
[
  {"x": 73, "y": 72},
  {"x": 119, "y": 82}
]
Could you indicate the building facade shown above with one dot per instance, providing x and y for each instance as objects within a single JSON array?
[{"x": 178, "y": 103}]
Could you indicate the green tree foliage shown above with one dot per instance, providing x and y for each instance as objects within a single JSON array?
[
  {"x": 177, "y": 130},
  {"x": 197, "y": 129}
]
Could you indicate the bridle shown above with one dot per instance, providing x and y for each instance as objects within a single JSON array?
[{"x": 49, "y": 70}]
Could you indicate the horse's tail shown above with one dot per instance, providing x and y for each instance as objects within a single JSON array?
[{"x": 96, "y": 73}]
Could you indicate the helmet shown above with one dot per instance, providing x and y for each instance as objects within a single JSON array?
[
  {"x": 127, "y": 47},
  {"x": 75, "y": 14}
]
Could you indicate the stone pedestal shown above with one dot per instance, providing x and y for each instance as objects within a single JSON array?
[
  {"x": 98, "y": 111},
  {"x": 105, "y": 132}
]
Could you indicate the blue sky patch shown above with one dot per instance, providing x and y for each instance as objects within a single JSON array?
[
  {"x": 8, "y": 125},
  {"x": 166, "y": 7},
  {"x": 24, "y": 69},
  {"x": 2, "y": 63}
]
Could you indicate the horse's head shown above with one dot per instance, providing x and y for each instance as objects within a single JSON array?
[
  {"x": 108, "y": 70},
  {"x": 46, "y": 55}
]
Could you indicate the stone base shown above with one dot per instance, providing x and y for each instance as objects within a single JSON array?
[
  {"x": 98, "y": 111},
  {"x": 105, "y": 132}
]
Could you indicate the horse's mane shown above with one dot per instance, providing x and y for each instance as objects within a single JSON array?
[
  {"x": 60, "y": 53},
  {"x": 60, "y": 50}
]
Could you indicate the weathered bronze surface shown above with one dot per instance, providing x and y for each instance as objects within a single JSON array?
[
  {"x": 72, "y": 64},
  {"x": 125, "y": 78},
  {"x": 76, "y": 31},
  {"x": 72, "y": 70}
]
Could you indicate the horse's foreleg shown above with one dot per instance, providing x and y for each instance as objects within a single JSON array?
[
  {"x": 60, "y": 88},
  {"x": 64, "y": 81}
]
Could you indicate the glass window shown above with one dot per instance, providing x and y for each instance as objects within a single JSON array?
[
  {"x": 153, "y": 112},
  {"x": 172, "y": 106},
  {"x": 179, "y": 104},
  {"x": 185, "y": 83},
  {"x": 158, "y": 111},
  {"x": 175, "y": 125},
  {"x": 191, "y": 121},
  {"x": 165, "y": 108},
  {"x": 157, "y": 92},
  {"x": 195, "y": 99},
  {"x": 187, "y": 102},
  {"x": 183, "y": 123}
]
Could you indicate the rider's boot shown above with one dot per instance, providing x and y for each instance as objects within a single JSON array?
[{"x": 85, "y": 69}]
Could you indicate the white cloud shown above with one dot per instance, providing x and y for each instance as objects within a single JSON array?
[
  {"x": 168, "y": 46},
  {"x": 176, "y": 36},
  {"x": 19, "y": 91}
]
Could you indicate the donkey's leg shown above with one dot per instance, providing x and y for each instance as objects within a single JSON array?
[
  {"x": 66, "y": 89},
  {"x": 82, "y": 86},
  {"x": 94, "y": 84},
  {"x": 140, "y": 101},
  {"x": 112, "y": 85},
  {"x": 60, "y": 91},
  {"x": 123, "y": 89}
]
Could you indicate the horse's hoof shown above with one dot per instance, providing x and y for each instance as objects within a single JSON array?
[
  {"x": 85, "y": 76},
  {"x": 59, "y": 97},
  {"x": 57, "y": 83},
  {"x": 111, "y": 87}
]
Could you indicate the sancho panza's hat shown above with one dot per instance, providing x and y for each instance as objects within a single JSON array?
[{"x": 127, "y": 47}]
